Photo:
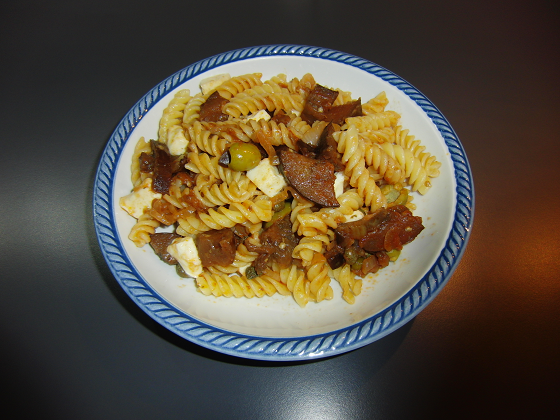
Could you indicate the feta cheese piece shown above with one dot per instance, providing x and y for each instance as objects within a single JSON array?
[
  {"x": 338, "y": 184},
  {"x": 185, "y": 252},
  {"x": 139, "y": 200},
  {"x": 176, "y": 141},
  {"x": 355, "y": 216},
  {"x": 267, "y": 178},
  {"x": 261, "y": 115},
  {"x": 210, "y": 83}
]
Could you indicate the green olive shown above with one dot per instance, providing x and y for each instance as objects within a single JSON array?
[{"x": 244, "y": 156}]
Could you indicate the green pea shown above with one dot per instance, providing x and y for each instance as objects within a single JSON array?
[{"x": 244, "y": 156}]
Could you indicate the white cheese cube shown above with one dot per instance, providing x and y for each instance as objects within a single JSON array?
[
  {"x": 267, "y": 178},
  {"x": 176, "y": 141},
  {"x": 338, "y": 184},
  {"x": 261, "y": 115},
  {"x": 185, "y": 252},
  {"x": 140, "y": 200},
  {"x": 210, "y": 83}
]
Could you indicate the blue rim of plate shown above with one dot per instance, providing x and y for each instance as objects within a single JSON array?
[{"x": 266, "y": 348}]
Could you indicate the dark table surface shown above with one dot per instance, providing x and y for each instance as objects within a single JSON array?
[{"x": 74, "y": 346}]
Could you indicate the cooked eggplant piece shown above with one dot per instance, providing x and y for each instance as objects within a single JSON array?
[{"x": 312, "y": 178}]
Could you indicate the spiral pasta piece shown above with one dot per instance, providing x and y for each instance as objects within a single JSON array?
[
  {"x": 246, "y": 105},
  {"x": 238, "y": 84},
  {"x": 192, "y": 108},
  {"x": 227, "y": 216},
  {"x": 299, "y": 206},
  {"x": 297, "y": 284},
  {"x": 299, "y": 126},
  {"x": 202, "y": 163},
  {"x": 385, "y": 134},
  {"x": 376, "y": 104},
  {"x": 280, "y": 79},
  {"x": 350, "y": 284},
  {"x": 225, "y": 193},
  {"x": 145, "y": 226},
  {"x": 277, "y": 134},
  {"x": 173, "y": 114},
  {"x": 350, "y": 146},
  {"x": 317, "y": 272},
  {"x": 350, "y": 201},
  {"x": 246, "y": 130},
  {"x": 220, "y": 284},
  {"x": 308, "y": 246},
  {"x": 373, "y": 122},
  {"x": 175, "y": 199},
  {"x": 328, "y": 218},
  {"x": 253, "y": 228},
  {"x": 302, "y": 86},
  {"x": 274, "y": 280},
  {"x": 342, "y": 98},
  {"x": 408, "y": 141},
  {"x": 204, "y": 140},
  {"x": 416, "y": 174},
  {"x": 353, "y": 152},
  {"x": 314, "y": 223},
  {"x": 229, "y": 130},
  {"x": 383, "y": 163},
  {"x": 142, "y": 146},
  {"x": 268, "y": 87}
]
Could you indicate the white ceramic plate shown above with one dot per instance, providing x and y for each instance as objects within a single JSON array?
[{"x": 276, "y": 328}]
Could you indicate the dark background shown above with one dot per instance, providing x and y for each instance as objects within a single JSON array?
[{"x": 74, "y": 346}]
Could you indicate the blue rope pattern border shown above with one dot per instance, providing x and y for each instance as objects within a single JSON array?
[{"x": 280, "y": 349}]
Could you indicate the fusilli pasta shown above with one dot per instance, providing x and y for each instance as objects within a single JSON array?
[
  {"x": 243, "y": 230},
  {"x": 173, "y": 114}
]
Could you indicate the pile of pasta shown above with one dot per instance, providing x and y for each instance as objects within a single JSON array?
[{"x": 382, "y": 160}]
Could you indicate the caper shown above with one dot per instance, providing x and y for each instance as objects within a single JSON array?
[
  {"x": 244, "y": 156},
  {"x": 251, "y": 273}
]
